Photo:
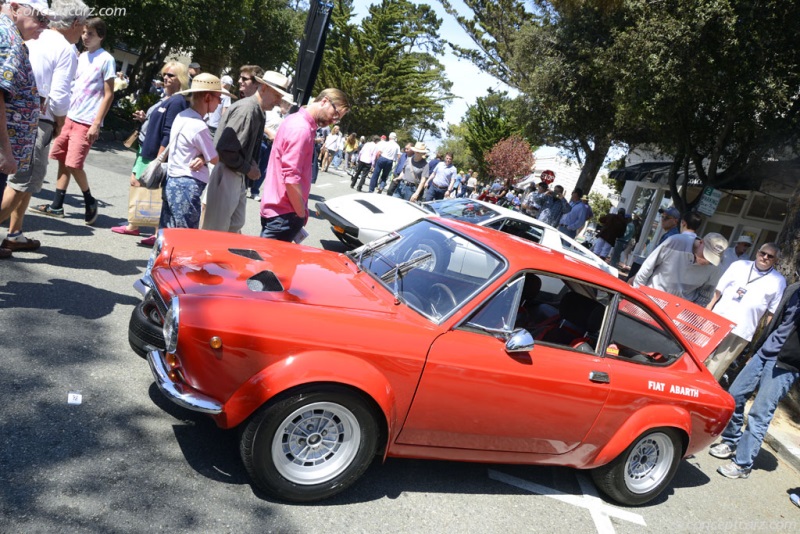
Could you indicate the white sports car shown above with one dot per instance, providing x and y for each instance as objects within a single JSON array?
[{"x": 360, "y": 218}]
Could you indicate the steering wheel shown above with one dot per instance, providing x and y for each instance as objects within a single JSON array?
[{"x": 439, "y": 292}]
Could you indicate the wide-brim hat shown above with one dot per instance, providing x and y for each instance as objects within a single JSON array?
[
  {"x": 205, "y": 82},
  {"x": 420, "y": 148},
  {"x": 276, "y": 81},
  {"x": 714, "y": 246}
]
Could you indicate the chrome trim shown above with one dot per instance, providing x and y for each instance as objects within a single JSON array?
[
  {"x": 192, "y": 400},
  {"x": 143, "y": 285}
]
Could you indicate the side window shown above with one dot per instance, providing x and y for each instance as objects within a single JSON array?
[
  {"x": 500, "y": 311},
  {"x": 519, "y": 229},
  {"x": 562, "y": 312},
  {"x": 637, "y": 336}
]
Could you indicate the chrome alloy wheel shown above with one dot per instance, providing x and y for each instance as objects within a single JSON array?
[
  {"x": 316, "y": 443},
  {"x": 649, "y": 462}
]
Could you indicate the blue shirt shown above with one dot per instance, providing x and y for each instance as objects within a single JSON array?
[
  {"x": 432, "y": 165},
  {"x": 576, "y": 216},
  {"x": 774, "y": 342},
  {"x": 400, "y": 164},
  {"x": 21, "y": 96},
  {"x": 160, "y": 125},
  {"x": 669, "y": 233}
]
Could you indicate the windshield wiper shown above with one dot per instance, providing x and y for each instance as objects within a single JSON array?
[
  {"x": 399, "y": 270},
  {"x": 369, "y": 247}
]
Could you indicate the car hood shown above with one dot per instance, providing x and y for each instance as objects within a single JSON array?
[
  {"x": 702, "y": 329},
  {"x": 376, "y": 212},
  {"x": 214, "y": 263}
]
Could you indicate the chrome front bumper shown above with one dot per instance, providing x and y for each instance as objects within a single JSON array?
[{"x": 191, "y": 400}]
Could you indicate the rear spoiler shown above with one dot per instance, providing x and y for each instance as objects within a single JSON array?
[{"x": 703, "y": 329}]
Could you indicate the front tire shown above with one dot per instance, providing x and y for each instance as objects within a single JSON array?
[
  {"x": 311, "y": 445},
  {"x": 643, "y": 470}
]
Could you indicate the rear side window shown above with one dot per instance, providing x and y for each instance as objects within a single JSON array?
[{"x": 639, "y": 337}]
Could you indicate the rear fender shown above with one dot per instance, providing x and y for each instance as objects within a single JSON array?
[
  {"x": 310, "y": 368},
  {"x": 659, "y": 416}
]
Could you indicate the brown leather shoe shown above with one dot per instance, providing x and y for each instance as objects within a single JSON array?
[
  {"x": 4, "y": 253},
  {"x": 27, "y": 245}
]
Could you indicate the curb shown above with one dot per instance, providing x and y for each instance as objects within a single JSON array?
[{"x": 785, "y": 446}]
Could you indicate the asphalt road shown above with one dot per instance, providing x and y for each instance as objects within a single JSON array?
[{"x": 127, "y": 460}]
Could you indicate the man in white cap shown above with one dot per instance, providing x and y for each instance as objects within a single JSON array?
[
  {"x": 746, "y": 291},
  {"x": 213, "y": 118},
  {"x": 386, "y": 154},
  {"x": 684, "y": 265},
  {"x": 740, "y": 251},
  {"x": 238, "y": 142}
]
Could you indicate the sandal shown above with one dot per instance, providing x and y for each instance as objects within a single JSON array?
[{"x": 125, "y": 231}]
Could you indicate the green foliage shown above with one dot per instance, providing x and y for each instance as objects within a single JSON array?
[
  {"x": 600, "y": 205},
  {"x": 221, "y": 32},
  {"x": 489, "y": 121},
  {"x": 455, "y": 143},
  {"x": 387, "y": 65},
  {"x": 510, "y": 160}
]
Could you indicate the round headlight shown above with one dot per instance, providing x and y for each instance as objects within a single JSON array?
[{"x": 171, "y": 325}]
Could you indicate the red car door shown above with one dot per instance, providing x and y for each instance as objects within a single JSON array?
[{"x": 475, "y": 395}]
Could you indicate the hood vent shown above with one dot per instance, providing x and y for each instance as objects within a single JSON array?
[
  {"x": 370, "y": 206},
  {"x": 264, "y": 281},
  {"x": 248, "y": 253}
]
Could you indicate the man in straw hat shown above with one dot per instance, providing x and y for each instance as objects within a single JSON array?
[
  {"x": 238, "y": 141},
  {"x": 414, "y": 172},
  {"x": 284, "y": 202}
]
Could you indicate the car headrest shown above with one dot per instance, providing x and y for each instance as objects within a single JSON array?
[
  {"x": 533, "y": 284},
  {"x": 576, "y": 309}
]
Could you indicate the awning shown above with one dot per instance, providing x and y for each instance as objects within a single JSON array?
[{"x": 649, "y": 171}]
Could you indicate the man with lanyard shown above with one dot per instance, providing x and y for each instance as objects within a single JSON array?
[
  {"x": 415, "y": 171},
  {"x": 574, "y": 219},
  {"x": 437, "y": 183},
  {"x": 746, "y": 291},
  {"x": 773, "y": 370}
]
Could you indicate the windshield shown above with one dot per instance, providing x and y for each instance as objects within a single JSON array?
[
  {"x": 430, "y": 268},
  {"x": 464, "y": 209}
]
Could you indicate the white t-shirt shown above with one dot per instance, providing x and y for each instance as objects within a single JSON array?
[
  {"x": 388, "y": 149},
  {"x": 89, "y": 86},
  {"x": 189, "y": 138},
  {"x": 729, "y": 256},
  {"x": 274, "y": 118},
  {"x": 332, "y": 142},
  {"x": 367, "y": 153},
  {"x": 214, "y": 118},
  {"x": 747, "y": 295},
  {"x": 54, "y": 61}
]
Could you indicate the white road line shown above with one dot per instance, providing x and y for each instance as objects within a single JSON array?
[{"x": 600, "y": 512}]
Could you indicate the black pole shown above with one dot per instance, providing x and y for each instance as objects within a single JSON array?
[{"x": 309, "y": 57}]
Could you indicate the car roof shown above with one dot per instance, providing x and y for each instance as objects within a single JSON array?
[{"x": 525, "y": 254}]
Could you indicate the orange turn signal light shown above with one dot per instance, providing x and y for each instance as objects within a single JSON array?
[
  {"x": 172, "y": 360},
  {"x": 215, "y": 342}
]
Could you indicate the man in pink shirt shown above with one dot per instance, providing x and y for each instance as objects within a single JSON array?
[{"x": 284, "y": 204}]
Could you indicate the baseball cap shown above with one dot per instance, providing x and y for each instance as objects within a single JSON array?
[
  {"x": 713, "y": 247},
  {"x": 745, "y": 239},
  {"x": 194, "y": 65},
  {"x": 392, "y": 135},
  {"x": 671, "y": 212},
  {"x": 226, "y": 80}
]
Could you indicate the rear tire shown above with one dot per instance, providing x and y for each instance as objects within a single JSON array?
[
  {"x": 643, "y": 470},
  {"x": 311, "y": 445}
]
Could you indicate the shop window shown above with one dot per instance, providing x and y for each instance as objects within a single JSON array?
[
  {"x": 767, "y": 207},
  {"x": 723, "y": 229},
  {"x": 731, "y": 204}
]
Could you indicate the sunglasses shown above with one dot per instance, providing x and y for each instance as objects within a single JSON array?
[
  {"x": 168, "y": 75},
  {"x": 246, "y": 79},
  {"x": 335, "y": 110},
  {"x": 766, "y": 255}
]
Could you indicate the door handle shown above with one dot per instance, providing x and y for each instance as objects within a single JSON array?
[{"x": 597, "y": 376}]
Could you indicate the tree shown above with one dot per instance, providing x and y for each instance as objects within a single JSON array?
[
  {"x": 220, "y": 30},
  {"x": 510, "y": 160},
  {"x": 713, "y": 84},
  {"x": 487, "y": 122},
  {"x": 455, "y": 143},
  {"x": 388, "y": 68},
  {"x": 556, "y": 55}
]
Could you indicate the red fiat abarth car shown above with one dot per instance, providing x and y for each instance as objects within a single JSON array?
[{"x": 441, "y": 340}]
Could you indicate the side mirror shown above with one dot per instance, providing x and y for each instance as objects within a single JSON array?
[{"x": 520, "y": 341}]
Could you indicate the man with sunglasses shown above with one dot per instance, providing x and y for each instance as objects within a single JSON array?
[
  {"x": 284, "y": 202},
  {"x": 773, "y": 370},
  {"x": 746, "y": 291},
  {"x": 19, "y": 98}
]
